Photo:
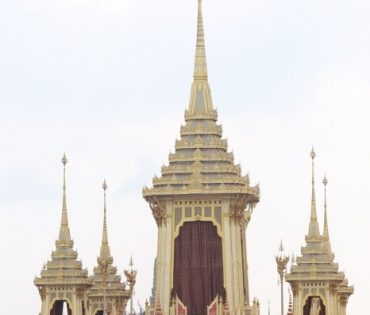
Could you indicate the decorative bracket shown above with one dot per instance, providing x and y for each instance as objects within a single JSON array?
[
  {"x": 42, "y": 292},
  {"x": 158, "y": 209},
  {"x": 237, "y": 207},
  {"x": 295, "y": 288}
]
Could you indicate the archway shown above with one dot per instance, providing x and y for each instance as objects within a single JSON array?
[
  {"x": 59, "y": 306},
  {"x": 198, "y": 266},
  {"x": 314, "y": 306}
]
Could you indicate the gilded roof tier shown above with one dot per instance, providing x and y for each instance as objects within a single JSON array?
[
  {"x": 317, "y": 260},
  {"x": 63, "y": 268},
  {"x": 201, "y": 162},
  {"x": 105, "y": 274}
]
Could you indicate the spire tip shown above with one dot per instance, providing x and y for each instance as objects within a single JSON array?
[
  {"x": 105, "y": 186},
  {"x": 313, "y": 154},
  {"x": 64, "y": 159},
  {"x": 281, "y": 248}
]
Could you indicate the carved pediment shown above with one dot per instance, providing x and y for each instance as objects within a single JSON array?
[{"x": 197, "y": 153}]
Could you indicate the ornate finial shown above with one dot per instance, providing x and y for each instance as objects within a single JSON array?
[
  {"x": 313, "y": 154},
  {"x": 281, "y": 248},
  {"x": 200, "y": 66},
  {"x": 131, "y": 263},
  {"x": 105, "y": 185},
  {"x": 294, "y": 258},
  {"x": 64, "y": 159},
  {"x": 325, "y": 181},
  {"x": 281, "y": 262},
  {"x": 131, "y": 277}
]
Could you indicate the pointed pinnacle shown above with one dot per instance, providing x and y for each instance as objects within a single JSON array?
[
  {"x": 105, "y": 232},
  {"x": 64, "y": 159},
  {"x": 325, "y": 181},
  {"x": 326, "y": 227},
  {"x": 281, "y": 248},
  {"x": 293, "y": 259},
  {"x": 64, "y": 222},
  {"x": 313, "y": 198},
  {"x": 313, "y": 154},
  {"x": 200, "y": 66}
]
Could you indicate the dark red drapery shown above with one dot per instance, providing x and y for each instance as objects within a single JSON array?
[
  {"x": 58, "y": 308},
  {"x": 198, "y": 270},
  {"x": 307, "y": 307}
]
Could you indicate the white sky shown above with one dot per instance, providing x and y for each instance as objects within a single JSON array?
[{"x": 108, "y": 82}]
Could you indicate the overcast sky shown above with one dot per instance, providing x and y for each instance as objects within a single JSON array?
[{"x": 107, "y": 81}]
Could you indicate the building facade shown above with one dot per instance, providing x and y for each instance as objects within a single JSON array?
[
  {"x": 63, "y": 281},
  {"x": 202, "y": 205},
  {"x": 319, "y": 288}
]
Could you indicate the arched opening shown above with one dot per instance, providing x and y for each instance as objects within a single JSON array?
[
  {"x": 198, "y": 268},
  {"x": 99, "y": 312},
  {"x": 314, "y": 306},
  {"x": 61, "y": 307}
]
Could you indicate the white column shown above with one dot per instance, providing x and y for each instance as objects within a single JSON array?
[
  {"x": 167, "y": 268},
  {"x": 158, "y": 267},
  {"x": 297, "y": 303},
  {"x": 239, "y": 265},
  {"x": 234, "y": 249},
  {"x": 228, "y": 262},
  {"x": 45, "y": 303}
]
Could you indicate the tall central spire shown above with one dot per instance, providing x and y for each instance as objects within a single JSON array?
[
  {"x": 313, "y": 217},
  {"x": 313, "y": 231},
  {"x": 64, "y": 222},
  {"x": 189, "y": 191},
  {"x": 200, "y": 66},
  {"x": 201, "y": 162},
  {"x": 64, "y": 238},
  {"x": 325, "y": 235},
  {"x": 326, "y": 228},
  {"x": 200, "y": 98},
  {"x": 105, "y": 250}
]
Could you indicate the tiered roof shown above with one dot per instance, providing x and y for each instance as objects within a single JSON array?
[
  {"x": 64, "y": 268},
  {"x": 201, "y": 162},
  {"x": 105, "y": 274},
  {"x": 317, "y": 260}
]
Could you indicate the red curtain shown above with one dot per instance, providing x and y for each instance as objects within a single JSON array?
[
  {"x": 198, "y": 270},
  {"x": 58, "y": 308},
  {"x": 307, "y": 307}
]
